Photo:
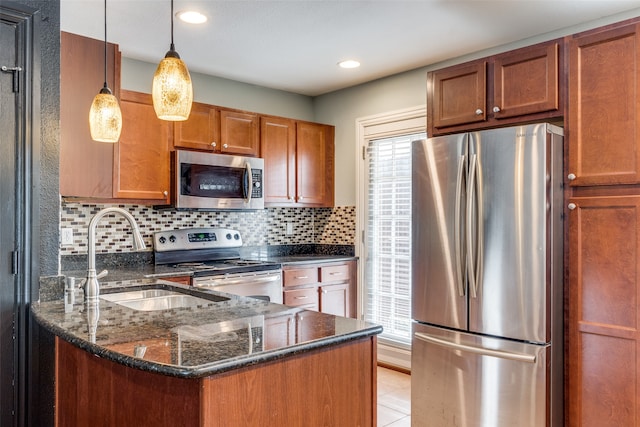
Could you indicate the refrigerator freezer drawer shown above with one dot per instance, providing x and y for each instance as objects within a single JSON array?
[{"x": 466, "y": 380}]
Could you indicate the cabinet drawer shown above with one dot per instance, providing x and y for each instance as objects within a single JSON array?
[
  {"x": 300, "y": 297},
  {"x": 332, "y": 273},
  {"x": 300, "y": 276}
]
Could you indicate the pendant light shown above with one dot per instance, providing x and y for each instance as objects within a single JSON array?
[
  {"x": 172, "y": 91},
  {"x": 105, "y": 117}
]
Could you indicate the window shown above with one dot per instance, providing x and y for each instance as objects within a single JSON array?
[{"x": 384, "y": 219}]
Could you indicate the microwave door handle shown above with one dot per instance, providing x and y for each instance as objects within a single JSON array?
[{"x": 248, "y": 183}]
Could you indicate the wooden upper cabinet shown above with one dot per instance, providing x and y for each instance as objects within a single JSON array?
[
  {"x": 315, "y": 164},
  {"x": 519, "y": 86},
  {"x": 86, "y": 166},
  {"x": 604, "y": 109},
  {"x": 215, "y": 129},
  {"x": 201, "y": 131},
  {"x": 526, "y": 81},
  {"x": 457, "y": 94},
  {"x": 278, "y": 148},
  {"x": 239, "y": 133},
  {"x": 141, "y": 163}
]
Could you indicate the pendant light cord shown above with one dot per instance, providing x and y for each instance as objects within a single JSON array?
[
  {"x": 105, "y": 44},
  {"x": 172, "y": 45}
]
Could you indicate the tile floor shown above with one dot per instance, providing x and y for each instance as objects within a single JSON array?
[{"x": 394, "y": 398}]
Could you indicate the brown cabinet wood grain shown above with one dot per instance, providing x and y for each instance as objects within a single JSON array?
[
  {"x": 332, "y": 386},
  {"x": 278, "y": 145},
  {"x": 86, "y": 166},
  {"x": 604, "y": 288},
  {"x": 522, "y": 85},
  {"x": 299, "y": 162},
  {"x": 604, "y": 107},
  {"x": 141, "y": 159},
  {"x": 201, "y": 131},
  {"x": 326, "y": 287}
]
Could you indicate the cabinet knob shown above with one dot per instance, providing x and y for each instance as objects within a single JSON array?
[
  {"x": 165, "y": 193},
  {"x": 571, "y": 177},
  {"x": 478, "y": 112},
  {"x": 225, "y": 145},
  {"x": 214, "y": 144},
  {"x": 496, "y": 109},
  {"x": 572, "y": 206}
]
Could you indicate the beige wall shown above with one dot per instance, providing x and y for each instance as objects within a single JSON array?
[{"x": 341, "y": 108}]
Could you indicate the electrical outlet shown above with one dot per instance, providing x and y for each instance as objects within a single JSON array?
[
  {"x": 289, "y": 228},
  {"x": 66, "y": 236}
]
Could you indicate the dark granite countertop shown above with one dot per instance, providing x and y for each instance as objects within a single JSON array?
[{"x": 225, "y": 333}]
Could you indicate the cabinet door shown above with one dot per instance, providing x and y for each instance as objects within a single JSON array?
[
  {"x": 296, "y": 276},
  {"x": 201, "y": 131},
  {"x": 279, "y": 331},
  {"x": 239, "y": 133},
  {"x": 86, "y": 166},
  {"x": 315, "y": 164},
  {"x": 604, "y": 252},
  {"x": 278, "y": 148},
  {"x": 334, "y": 299},
  {"x": 526, "y": 81},
  {"x": 141, "y": 166},
  {"x": 604, "y": 85},
  {"x": 457, "y": 95}
]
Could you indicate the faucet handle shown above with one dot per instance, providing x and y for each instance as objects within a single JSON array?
[{"x": 102, "y": 274}]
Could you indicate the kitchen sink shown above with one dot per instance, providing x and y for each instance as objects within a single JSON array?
[{"x": 158, "y": 299}]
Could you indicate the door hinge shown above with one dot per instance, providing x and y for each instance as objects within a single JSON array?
[
  {"x": 15, "y": 262},
  {"x": 364, "y": 152},
  {"x": 14, "y": 71}
]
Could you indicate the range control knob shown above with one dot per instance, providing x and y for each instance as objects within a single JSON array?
[
  {"x": 256, "y": 184},
  {"x": 172, "y": 238},
  {"x": 228, "y": 236},
  {"x": 236, "y": 236},
  {"x": 162, "y": 240}
]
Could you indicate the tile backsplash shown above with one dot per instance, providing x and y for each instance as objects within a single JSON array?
[{"x": 335, "y": 226}]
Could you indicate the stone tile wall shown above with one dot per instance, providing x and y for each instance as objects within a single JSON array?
[{"x": 335, "y": 226}]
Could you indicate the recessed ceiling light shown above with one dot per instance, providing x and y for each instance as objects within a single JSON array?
[
  {"x": 349, "y": 63},
  {"x": 192, "y": 17}
]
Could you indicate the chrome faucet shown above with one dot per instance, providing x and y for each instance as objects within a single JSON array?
[{"x": 92, "y": 288}]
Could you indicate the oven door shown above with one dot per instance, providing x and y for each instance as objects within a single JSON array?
[
  {"x": 215, "y": 181},
  {"x": 265, "y": 285}
]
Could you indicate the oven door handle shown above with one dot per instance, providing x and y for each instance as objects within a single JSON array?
[
  {"x": 227, "y": 282},
  {"x": 248, "y": 183}
]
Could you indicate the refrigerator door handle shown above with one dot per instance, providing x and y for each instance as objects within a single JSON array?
[
  {"x": 509, "y": 355},
  {"x": 470, "y": 228},
  {"x": 457, "y": 239}
]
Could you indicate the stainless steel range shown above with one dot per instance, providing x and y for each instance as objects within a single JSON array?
[{"x": 213, "y": 255}]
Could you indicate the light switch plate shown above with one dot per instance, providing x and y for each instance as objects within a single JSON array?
[
  {"x": 289, "y": 228},
  {"x": 66, "y": 236}
]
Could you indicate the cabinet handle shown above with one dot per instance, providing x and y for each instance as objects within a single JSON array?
[
  {"x": 302, "y": 277},
  {"x": 225, "y": 145},
  {"x": 214, "y": 144},
  {"x": 335, "y": 273},
  {"x": 478, "y": 112},
  {"x": 571, "y": 177},
  {"x": 302, "y": 297},
  {"x": 572, "y": 206},
  {"x": 165, "y": 193},
  {"x": 496, "y": 109},
  {"x": 300, "y": 198}
]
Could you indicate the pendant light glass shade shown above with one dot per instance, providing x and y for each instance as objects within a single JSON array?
[
  {"x": 172, "y": 91},
  {"x": 105, "y": 117}
]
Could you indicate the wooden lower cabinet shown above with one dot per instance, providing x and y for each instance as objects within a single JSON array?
[
  {"x": 604, "y": 287},
  {"x": 326, "y": 287},
  {"x": 332, "y": 386}
]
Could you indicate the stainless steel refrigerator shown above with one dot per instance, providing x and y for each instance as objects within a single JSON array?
[{"x": 487, "y": 279}]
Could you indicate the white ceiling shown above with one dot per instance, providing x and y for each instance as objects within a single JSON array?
[{"x": 294, "y": 45}]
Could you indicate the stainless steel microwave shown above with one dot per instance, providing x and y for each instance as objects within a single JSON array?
[{"x": 216, "y": 181}]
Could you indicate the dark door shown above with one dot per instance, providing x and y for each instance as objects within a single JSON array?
[{"x": 9, "y": 338}]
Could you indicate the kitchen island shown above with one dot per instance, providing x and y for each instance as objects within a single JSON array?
[{"x": 225, "y": 361}]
